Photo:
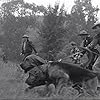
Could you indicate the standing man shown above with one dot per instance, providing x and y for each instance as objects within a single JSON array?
[
  {"x": 94, "y": 43},
  {"x": 86, "y": 41},
  {"x": 27, "y": 46}
]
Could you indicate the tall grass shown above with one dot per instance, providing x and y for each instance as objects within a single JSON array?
[{"x": 12, "y": 86}]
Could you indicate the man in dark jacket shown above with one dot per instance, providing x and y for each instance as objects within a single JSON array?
[
  {"x": 86, "y": 41},
  {"x": 94, "y": 43},
  {"x": 27, "y": 47}
]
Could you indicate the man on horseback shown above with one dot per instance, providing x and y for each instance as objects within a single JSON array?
[{"x": 27, "y": 46}]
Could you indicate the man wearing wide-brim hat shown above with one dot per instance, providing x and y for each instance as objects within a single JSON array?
[
  {"x": 86, "y": 39},
  {"x": 27, "y": 46}
]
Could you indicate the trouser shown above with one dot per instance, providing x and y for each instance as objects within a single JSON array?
[
  {"x": 93, "y": 59},
  {"x": 96, "y": 67}
]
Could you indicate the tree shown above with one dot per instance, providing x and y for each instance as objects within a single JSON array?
[
  {"x": 16, "y": 16},
  {"x": 84, "y": 14},
  {"x": 53, "y": 30}
]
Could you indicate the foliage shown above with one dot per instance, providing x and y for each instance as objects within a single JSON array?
[
  {"x": 84, "y": 14},
  {"x": 15, "y": 20},
  {"x": 53, "y": 30},
  {"x": 54, "y": 27}
]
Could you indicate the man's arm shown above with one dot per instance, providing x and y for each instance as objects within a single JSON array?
[
  {"x": 22, "y": 51},
  {"x": 83, "y": 43},
  {"x": 93, "y": 43}
]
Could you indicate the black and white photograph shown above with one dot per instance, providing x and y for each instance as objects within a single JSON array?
[{"x": 49, "y": 49}]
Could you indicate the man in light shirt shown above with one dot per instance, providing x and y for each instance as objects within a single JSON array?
[{"x": 27, "y": 47}]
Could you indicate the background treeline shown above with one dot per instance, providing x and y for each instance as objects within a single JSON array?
[{"x": 51, "y": 29}]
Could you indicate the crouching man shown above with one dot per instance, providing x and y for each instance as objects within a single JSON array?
[
  {"x": 32, "y": 65},
  {"x": 42, "y": 73},
  {"x": 31, "y": 61}
]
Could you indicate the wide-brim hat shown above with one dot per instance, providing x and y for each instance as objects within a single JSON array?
[
  {"x": 83, "y": 33},
  {"x": 25, "y": 36},
  {"x": 96, "y": 25},
  {"x": 73, "y": 43}
]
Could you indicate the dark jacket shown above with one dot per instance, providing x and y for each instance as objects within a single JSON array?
[
  {"x": 29, "y": 47},
  {"x": 96, "y": 40},
  {"x": 87, "y": 41},
  {"x": 91, "y": 46}
]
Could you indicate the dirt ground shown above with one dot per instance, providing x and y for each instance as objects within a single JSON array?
[{"x": 12, "y": 86}]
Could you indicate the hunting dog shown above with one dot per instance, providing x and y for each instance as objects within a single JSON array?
[{"x": 54, "y": 72}]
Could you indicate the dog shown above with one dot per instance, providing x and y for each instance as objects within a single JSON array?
[
  {"x": 46, "y": 75},
  {"x": 77, "y": 74},
  {"x": 58, "y": 71}
]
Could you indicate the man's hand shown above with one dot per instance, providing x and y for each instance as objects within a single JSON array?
[
  {"x": 36, "y": 53},
  {"x": 21, "y": 54}
]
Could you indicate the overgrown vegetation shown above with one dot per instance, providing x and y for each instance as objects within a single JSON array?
[{"x": 55, "y": 27}]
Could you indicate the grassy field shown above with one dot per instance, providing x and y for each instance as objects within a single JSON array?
[{"x": 12, "y": 86}]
